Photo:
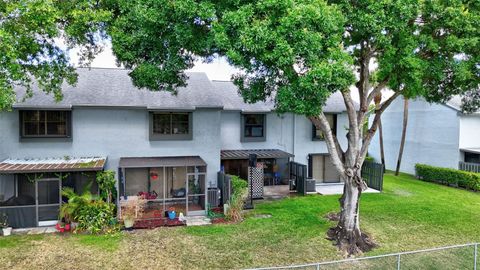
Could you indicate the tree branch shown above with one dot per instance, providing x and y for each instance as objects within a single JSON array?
[
  {"x": 331, "y": 140},
  {"x": 380, "y": 86},
  {"x": 363, "y": 83},
  {"x": 374, "y": 126},
  {"x": 354, "y": 131}
]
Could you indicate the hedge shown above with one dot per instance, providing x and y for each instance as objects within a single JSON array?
[{"x": 446, "y": 176}]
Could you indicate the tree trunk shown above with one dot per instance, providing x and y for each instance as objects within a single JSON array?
[
  {"x": 382, "y": 151},
  {"x": 404, "y": 132},
  {"x": 347, "y": 234}
]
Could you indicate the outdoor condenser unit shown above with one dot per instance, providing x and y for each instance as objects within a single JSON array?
[{"x": 213, "y": 197}]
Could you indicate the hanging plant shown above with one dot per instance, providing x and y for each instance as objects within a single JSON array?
[
  {"x": 34, "y": 178},
  {"x": 154, "y": 175}
]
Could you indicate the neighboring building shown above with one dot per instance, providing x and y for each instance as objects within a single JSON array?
[
  {"x": 437, "y": 134},
  {"x": 155, "y": 141}
]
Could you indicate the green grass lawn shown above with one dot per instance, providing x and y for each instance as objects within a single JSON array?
[{"x": 408, "y": 215}]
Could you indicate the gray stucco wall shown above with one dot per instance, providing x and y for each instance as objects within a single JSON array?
[
  {"x": 287, "y": 132},
  {"x": 117, "y": 133},
  {"x": 432, "y": 136}
]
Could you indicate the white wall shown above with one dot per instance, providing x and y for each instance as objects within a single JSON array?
[
  {"x": 432, "y": 136},
  {"x": 117, "y": 133},
  {"x": 470, "y": 131}
]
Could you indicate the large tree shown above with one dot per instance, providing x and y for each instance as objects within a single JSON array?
[
  {"x": 31, "y": 32},
  {"x": 299, "y": 52}
]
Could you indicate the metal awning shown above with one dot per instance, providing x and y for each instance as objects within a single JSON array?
[
  {"x": 151, "y": 162},
  {"x": 65, "y": 164},
  {"x": 261, "y": 153},
  {"x": 471, "y": 150}
]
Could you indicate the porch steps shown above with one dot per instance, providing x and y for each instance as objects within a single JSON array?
[{"x": 198, "y": 221}]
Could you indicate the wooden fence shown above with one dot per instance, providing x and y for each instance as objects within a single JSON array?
[
  {"x": 372, "y": 173},
  {"x": 469, "y": 167}
]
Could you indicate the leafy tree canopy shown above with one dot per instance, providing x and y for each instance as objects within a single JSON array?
[
  {"x": 298, "y": 52},
  {"x": 29, "y": 33}
]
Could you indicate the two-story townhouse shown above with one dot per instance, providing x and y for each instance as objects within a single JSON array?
[{"x": 169, "y": 144}]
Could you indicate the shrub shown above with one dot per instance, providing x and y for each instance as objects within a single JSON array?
[
  {"x": 96, "y": 217},
  {"x": 92, "y": 214},
  {"x": 237, "y": 199},
  {"x": 447, "y": 176},
  {"x": 106, "y": 185}
]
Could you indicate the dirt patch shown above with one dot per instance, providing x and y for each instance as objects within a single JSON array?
[{"x": 332, "y": 216}]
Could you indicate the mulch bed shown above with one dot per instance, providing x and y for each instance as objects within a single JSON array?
[{"x": 151, "y": 223}]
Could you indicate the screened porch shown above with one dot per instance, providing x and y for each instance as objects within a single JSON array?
[{"x": 168, "y": 183}]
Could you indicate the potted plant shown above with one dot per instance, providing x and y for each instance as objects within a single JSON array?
[
  {"x": 132, "y": 209},
  {"x": 6, "y": 229},
  {"x": 60, "y": 226},
  {"x": 171, "y": 213}
]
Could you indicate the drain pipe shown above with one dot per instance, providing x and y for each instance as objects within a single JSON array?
[{"x": 294, "y": 132}]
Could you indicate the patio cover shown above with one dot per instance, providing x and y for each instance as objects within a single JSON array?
[
  {"x": 261, "y": 153},
  {"x": 150, "y": 162},
  {"x": 39, "y": 165},
  {"x": 475, "y": 150}
]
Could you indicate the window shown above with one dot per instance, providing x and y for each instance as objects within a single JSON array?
[
  {"x": 253, "y": 127},
  {"x": 472, "y": 157},
  {"x": 171, "y": 126},
  {"x": 45, "y": 124},
  {"x": 317, "y": 134}
]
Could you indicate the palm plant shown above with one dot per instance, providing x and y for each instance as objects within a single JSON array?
[{"x": 70, "y": 210}]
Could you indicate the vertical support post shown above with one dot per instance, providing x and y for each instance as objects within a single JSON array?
[
  {"x": 398, "y": 262},
  {"x": 475, "y": 250},
  {"x": 318, "y": 266}
]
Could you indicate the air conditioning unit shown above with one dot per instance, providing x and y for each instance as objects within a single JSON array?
[
  {"x": 213, "y": 195},
  {"x": 310, "y": 185}
]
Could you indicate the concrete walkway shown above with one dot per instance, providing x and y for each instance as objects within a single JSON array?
[
  {"x": 198, "y": 221},
  {"x": 35, "y": 230},
  {"x": 336, "y": 188},
  {"x": 276, "y": 192}
]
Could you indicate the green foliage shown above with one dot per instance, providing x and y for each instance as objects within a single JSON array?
[
  {"x": 28, "y": 48},
  {"x": 237, "y": 199},
  {"x": 106, "y": 183},
  {"x": 92, "y": 214},
  {"x": 71, "y": 210},
  {"x": 298, "y": 52},
  {"x": 97, "y": 217},
  {"x": 448, "y": 176},
  {"x": 238, "y": 183},
  {"x": 369, "y": 159}
]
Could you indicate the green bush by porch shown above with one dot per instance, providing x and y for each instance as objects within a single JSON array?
[
  {"x": 447, "y": 176},
  {"x": 408, "y": 215}
]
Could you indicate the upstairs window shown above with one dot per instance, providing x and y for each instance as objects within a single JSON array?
[
  {"x": 253, "y": 127},
  {"x": 317, "y": 134},
  {"x": 171, "y": 126},
  {"x": 45, "y": 124}
]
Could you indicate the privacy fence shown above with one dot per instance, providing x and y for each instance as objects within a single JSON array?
[
  {"x": 372, "y": 173},
  {"x": 452, "y": 257}
]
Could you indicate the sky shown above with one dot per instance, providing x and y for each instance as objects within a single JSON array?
[{"x": 218, "y": 69}]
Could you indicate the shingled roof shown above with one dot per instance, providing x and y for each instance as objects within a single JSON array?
[{"x": 112, "y": 87}]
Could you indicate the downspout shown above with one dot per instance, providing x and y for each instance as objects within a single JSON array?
[{"x": 294, "y": 131}]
